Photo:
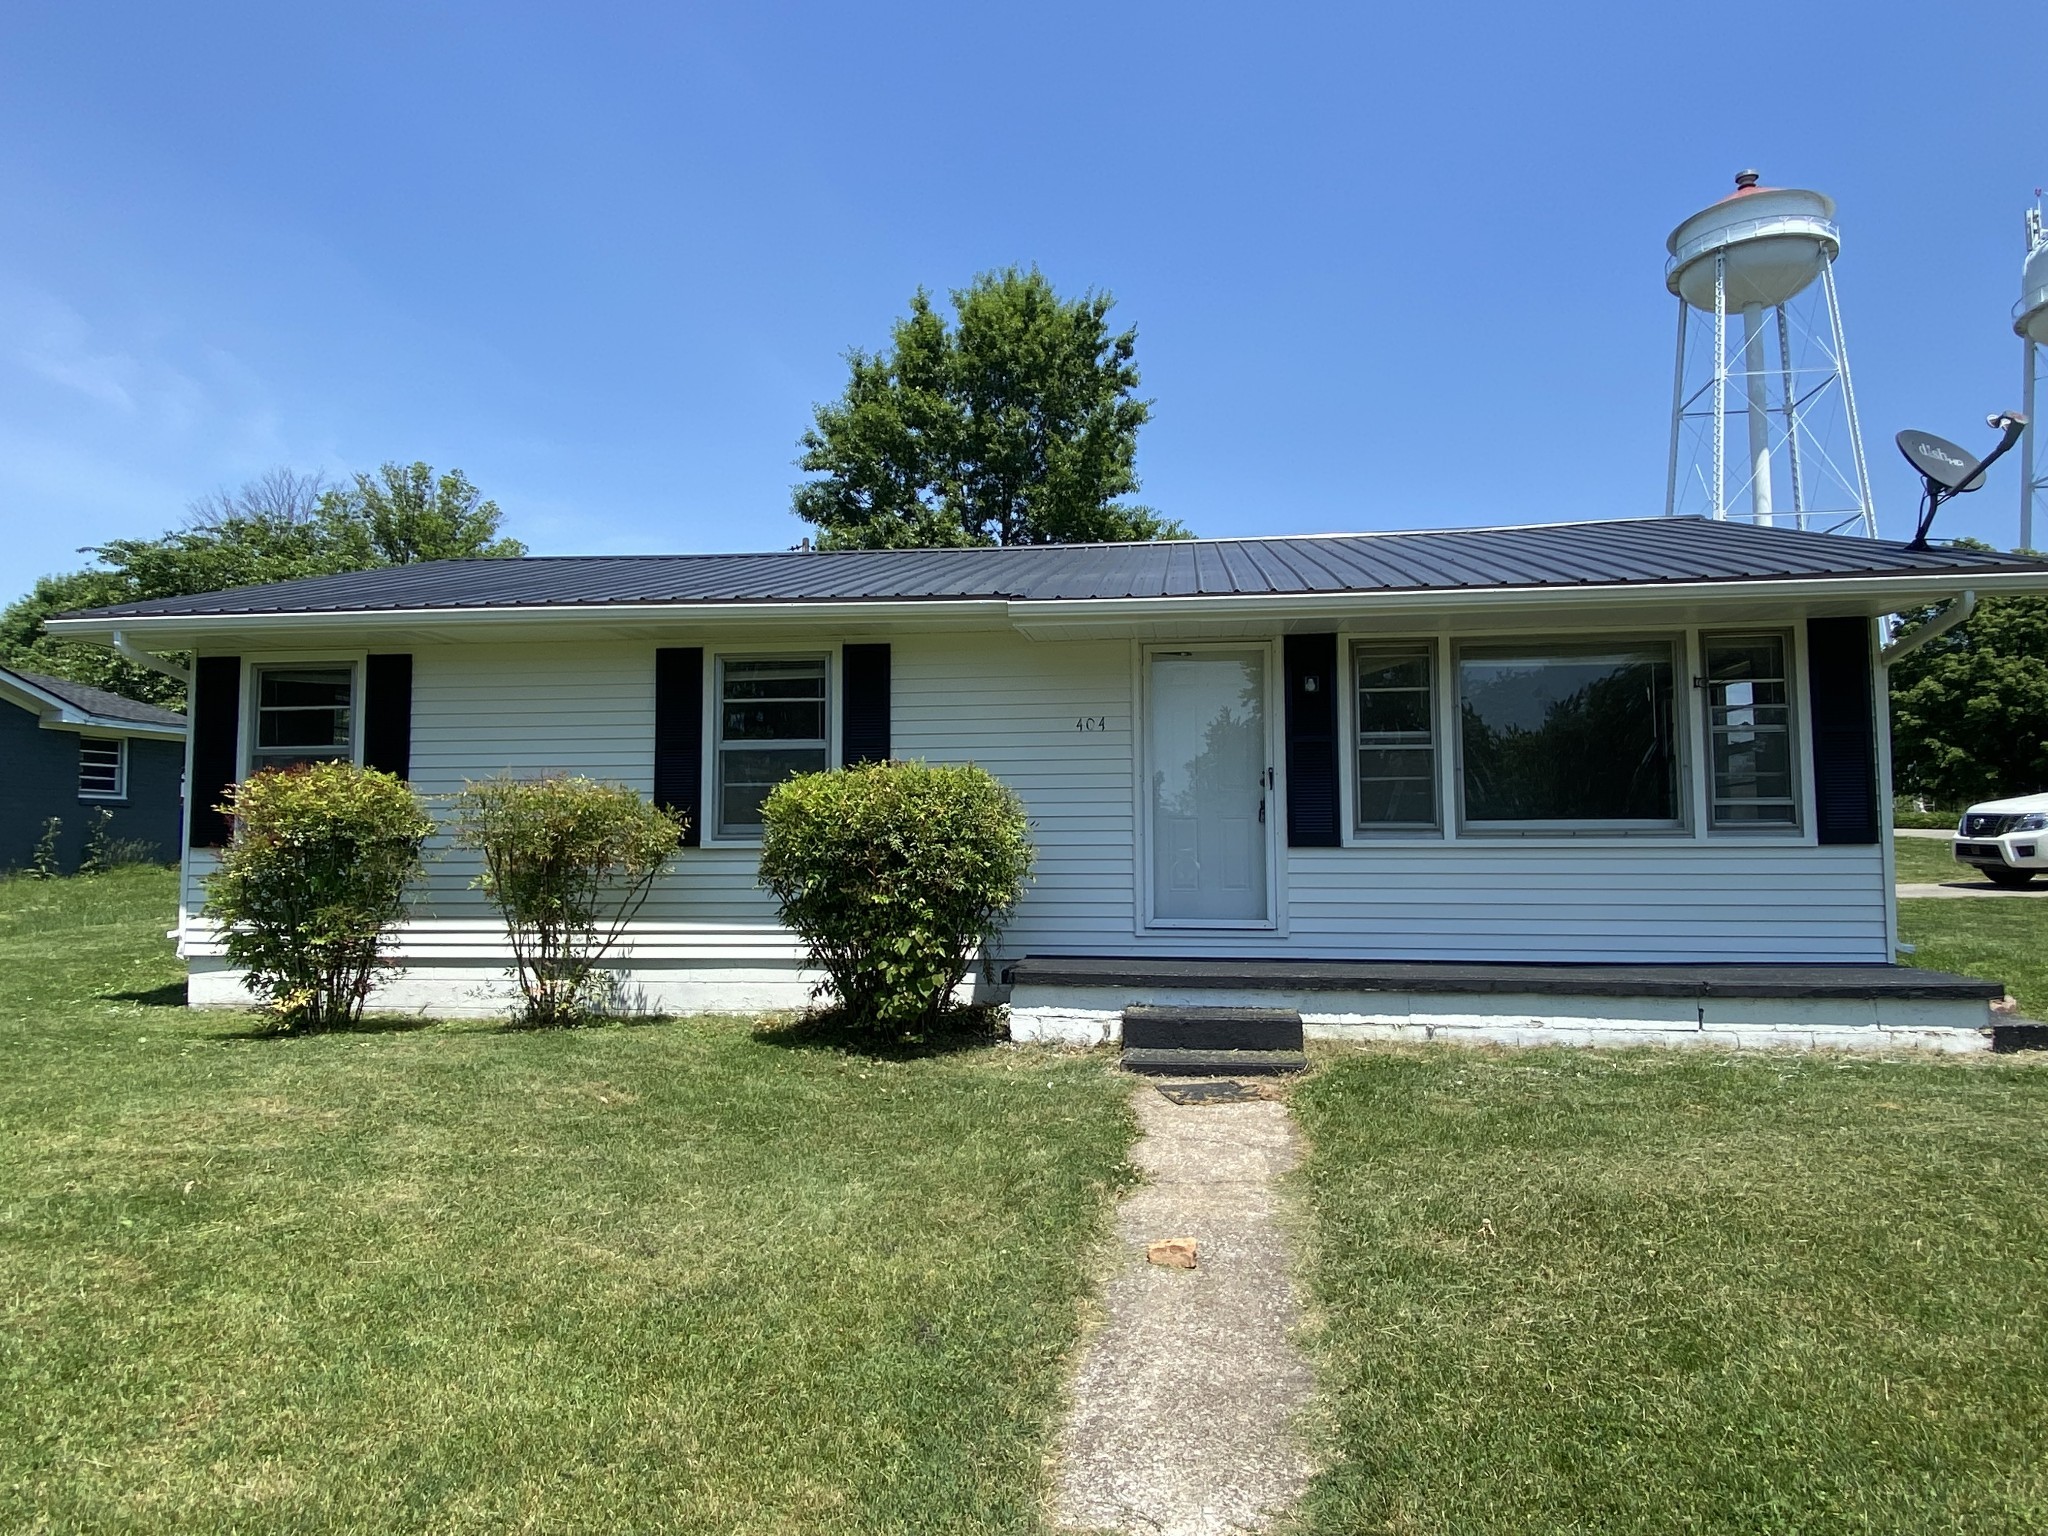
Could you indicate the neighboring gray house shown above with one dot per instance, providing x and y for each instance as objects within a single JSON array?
[
  {"x": 68, "y": 751},
  {"x": 1614, "y": 780}
]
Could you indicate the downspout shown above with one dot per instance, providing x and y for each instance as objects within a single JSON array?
[
  {"x": 1944, "y": 620},
  {"x": 129, "y": 651}
]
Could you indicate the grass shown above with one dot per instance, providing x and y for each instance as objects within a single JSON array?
[
  {"x": 1643, "y": 1292},
  {"x": 670, "y": 1277},
  {"x": 1923, "y": 861},
  {"x": 1997, "y": 938}
]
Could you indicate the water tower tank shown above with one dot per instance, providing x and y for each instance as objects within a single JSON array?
[
  {"x": 1772, "y": 241},
  {"x": 2030, "y": 315}
]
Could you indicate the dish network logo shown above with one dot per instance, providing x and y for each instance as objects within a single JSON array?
[{"x": 1929, "y": 451}]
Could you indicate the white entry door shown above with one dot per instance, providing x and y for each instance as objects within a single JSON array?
[{"x": 1209, "y": 791}]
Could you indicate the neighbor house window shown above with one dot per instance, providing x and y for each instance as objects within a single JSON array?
[
  {"x": 1568, "y": 736},
  {"x": 1396, "y": 725},
  {"x": 1749, "y": 731},
  {"x": 303, "y": 715},
  {"x": 771, "y": 725},
  {"x": 102, "y": 768}
]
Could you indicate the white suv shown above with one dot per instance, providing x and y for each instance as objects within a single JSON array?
[{"x": 2006, "y": 841}]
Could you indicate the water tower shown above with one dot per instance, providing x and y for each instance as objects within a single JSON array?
[
  {"x": 2030, "y": 319},
  {"x": 1754, "y": 257}
]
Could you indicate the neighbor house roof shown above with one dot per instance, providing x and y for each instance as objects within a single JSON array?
[
  {"x": 63, "y": 702},
  {"x": 1648, "y": 551}
]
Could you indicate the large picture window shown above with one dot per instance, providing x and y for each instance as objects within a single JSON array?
[
  {"x": 1396, "y": 729},
  {"x": 1749, "y": 731},
  {"x": 303, "y": 715},
  {"x": 1570, "y": 736},
  {"x": 771, "y": 725}
]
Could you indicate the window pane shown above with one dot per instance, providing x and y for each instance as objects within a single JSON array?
[
  {"x": 99, "y": 767},
  {"x": 1396, "y": 786},
  {"x": 1749, "y": 723},
  {"x": 302, "y": 714},
  {"x": 802, "y": 721},
  {"x": 745, "y": 775},
  {"x": 1396, "y": 737},
  {"x": 1569, "y": 733}
]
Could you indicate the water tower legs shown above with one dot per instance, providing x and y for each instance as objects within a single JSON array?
[
  {"x": 2029, "y": 483},
  {"x": 1759, "y": 414}
]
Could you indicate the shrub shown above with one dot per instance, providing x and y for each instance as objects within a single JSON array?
[
  {"x": 104, "y": 851},
  {"x": 568, "y": 862},
  {"x": 893, "y": 874},
  {"x": 313, "y": 879}
]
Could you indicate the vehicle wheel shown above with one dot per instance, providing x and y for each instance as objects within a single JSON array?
[{"x": 2004, "y": 874}]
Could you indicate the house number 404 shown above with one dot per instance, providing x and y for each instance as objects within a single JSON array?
[{"x": 1092, "y": 723}]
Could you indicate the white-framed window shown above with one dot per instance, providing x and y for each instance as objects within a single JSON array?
[
  {"x": 1394, "y": 726},
  {"x": 1752, "y": 761},
  {"x": 772, "y": 723},
  {"x": 304, "y": 713},
  {"x": 102, "y": 767},
  {"x": 1568, "y": 736}
]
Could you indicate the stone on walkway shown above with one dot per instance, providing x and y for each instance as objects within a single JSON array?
[{"x": 1183, "y": 1418}]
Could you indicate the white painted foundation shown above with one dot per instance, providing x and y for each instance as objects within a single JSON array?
[{"x": 1086, "y": 1016}]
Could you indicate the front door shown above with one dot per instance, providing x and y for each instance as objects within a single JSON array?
[{"x": 1205, "y": 756}]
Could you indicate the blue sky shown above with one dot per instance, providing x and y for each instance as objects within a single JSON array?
[{"x": 1389, "y": 267}]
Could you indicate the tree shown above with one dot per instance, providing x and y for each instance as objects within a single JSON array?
[
  {"x": 278, "y": 528},
  {"x": 1970, "y": 708},
  {"x": 1016, "y": 425},
  {"x": 406, "y": 513}
]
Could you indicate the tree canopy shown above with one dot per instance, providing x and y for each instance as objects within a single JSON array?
[
  {"x": 1016, "y": 424},
  {"x": 278, "y": 528},
  {"x": 1970, "y": 708}
]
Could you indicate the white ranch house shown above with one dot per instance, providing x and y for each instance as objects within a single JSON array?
[{"x": 1616, "y": 780}]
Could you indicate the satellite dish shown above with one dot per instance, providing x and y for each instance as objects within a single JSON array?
[
  {"x": 1949, "y": 470},
  {"x": 1941, "y": 461}
]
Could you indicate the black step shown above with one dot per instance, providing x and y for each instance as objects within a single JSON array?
[
  {"x": 1153, "y": 1027},
  {"x": 1153, "y": 1061}
]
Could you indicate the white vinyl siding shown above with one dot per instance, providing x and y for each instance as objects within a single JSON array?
[
  {"x": 102, "y": 767},
  {"x": 1054, "y": 719}
]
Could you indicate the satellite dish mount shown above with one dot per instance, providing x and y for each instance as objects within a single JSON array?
[{"x": 1946, "y": 470}]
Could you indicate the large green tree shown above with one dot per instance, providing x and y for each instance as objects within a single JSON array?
[
  {"x": 1016, "y": 424},
  {"x": 278, "y": 528},
  {"x": 1970, "y": 708}
]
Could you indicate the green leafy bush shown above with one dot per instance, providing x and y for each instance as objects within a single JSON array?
[
  {"x": 893, "y": 874},
  {"x": 315, "y": 876},
  {"x": 44, "y": 863},
  {"x": 568, "y": 862}
]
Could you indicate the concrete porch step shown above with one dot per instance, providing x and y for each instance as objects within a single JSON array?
[
  {"x": 1166, "y": 1061},
  {"x": 1167, "y": 1027}
]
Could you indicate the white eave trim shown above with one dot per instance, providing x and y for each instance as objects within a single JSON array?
[{"x": 1893, "y": 592}]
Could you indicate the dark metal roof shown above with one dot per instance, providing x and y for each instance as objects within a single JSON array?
[
  {"x": 1640, "y": 551},
  {"x": 99, "y": 702}
]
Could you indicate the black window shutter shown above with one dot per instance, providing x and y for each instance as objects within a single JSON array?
[
  {"x": 1838, "y": 670},
  {"x": 679, "y": 736},
  {"x": 864, "y": 709},
  {"x": 1312, "y": 818},
  {"x": 216, "y": 729},
  {"x": 387, "y": 714}
]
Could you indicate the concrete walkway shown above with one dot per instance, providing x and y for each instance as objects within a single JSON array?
[
  {"x": 1944, "y": 834},
  {"x": 1182, "y": 1418},
  {"x": 1967, "y": 888}
]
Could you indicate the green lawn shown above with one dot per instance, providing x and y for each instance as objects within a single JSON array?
[
  {"x": 671, "y": 1277},
  {"x": 1663, "y": 1292},
  {"x": 1922, "y": 860}
]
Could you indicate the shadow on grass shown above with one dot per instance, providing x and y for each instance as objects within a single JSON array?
[
  {"x": 830, "y": 1029},
  {"x": 170, "y": 995},
  {"x": 376, "y": 1024}
]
